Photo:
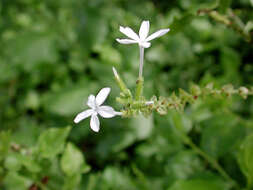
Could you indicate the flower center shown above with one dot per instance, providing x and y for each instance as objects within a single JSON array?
[{"x": 96, "y": 107}]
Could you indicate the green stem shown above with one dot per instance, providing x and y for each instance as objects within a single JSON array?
[
  {"x": 220, "y": 18},
  {"x": 139, "y": 88},
  {"x": 235, "y": 23}
]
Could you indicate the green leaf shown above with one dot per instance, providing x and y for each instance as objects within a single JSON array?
[
  {"x": 70, "y": 100},
  {"x": 72, "y": 182},
  {"x": 230, "y": 61},
  {"x": 142, "y": 127},
  {"x": 14, "y": 181},
  {"x": 51, "y": 142},
  {"x": 116, "y": 178},
  {"x": 95, "y": 27},
  {"x": 221, "y": 134},
  {"x": 198, "y": 184},
  {"x": 180, "y": 121},
  {"x": 30, "y": 164},
  {"x": 224, "y": 5},
  {"x": 183, "y": 165},
  {"x": 31, "y": 48},
  {"x": 12, "y": 162},
  {"x": 179, "y": 23},
  {"x": 72, "y": 161},
  {"x": 108, "y": 54},
  {"x": 209, "y": 5},
  {"x": 246, "y": 157}
]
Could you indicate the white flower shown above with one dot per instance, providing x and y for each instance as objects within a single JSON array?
[
  {"x": 143, "y": 38},
  {"x": 95, "y": 103}
]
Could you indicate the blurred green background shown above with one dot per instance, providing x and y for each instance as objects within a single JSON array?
[{"x": 55, "y": 53}]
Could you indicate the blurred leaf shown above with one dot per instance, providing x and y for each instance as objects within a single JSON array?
[
  {"x": 198, "y": 184},
  {"x": 114, "y": 178},
  {"x": 72, "y": 182},
  {"x": 20, "y": 134},
  {"x": 245, "y": 159},
  {"x": 180, "y": 121},
  {"x": 12, "y": 162},
  {"x": 14, "y": 181},
  {"x": 139, "y": 129},
  {"x": 51, "y": 142},
  {"x": 230, "y": 60},
  {"x": 32, "y": 100},
  {"x": 183, "y": 165},
  {"x": 94, "y": 26},
  {"x": 31, "y": 48},
  {"x": 69, "y": 101},
  {"x": 72, "y": 161},
  {"x": 112, "y": 143},
  {"x": 109, "y": 55},
  {"x": 224, "y": 5},
  {"x": 178, "y": 24},
  {"x": 29, "y": 163},
  {"x": 142, "y": 126},
  {"x": 221, "y": 134},
  {"x": 208, "y": 5}
]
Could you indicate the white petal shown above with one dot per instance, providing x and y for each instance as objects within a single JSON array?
[
  {"x": 91, "y": 101},
  {"x": 102, "y": 95},
  {"x": 106, "y": 111},
  {"x": 157, "y": 34},
  {"x": 129, "y": 32},
  {"x": 145, "y": 44},
  {"x": 83, "y": 115},
  {"x": 126, "y": 41},
  {"x": 94, "y": 122},
  {"x": 144, "y": 29}
]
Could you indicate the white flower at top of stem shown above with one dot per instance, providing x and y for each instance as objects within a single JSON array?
[
  {"x": 142, "y": 39},
  {"x": 96, "y": 108}
]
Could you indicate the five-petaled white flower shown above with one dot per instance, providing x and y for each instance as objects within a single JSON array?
[
  {"x": 95, "y": 103},
  {"x": 143, "y": 38}
]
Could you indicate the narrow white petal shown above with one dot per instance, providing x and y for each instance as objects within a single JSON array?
[
  {"x": 157, "y": 34},
  {"x": 94, "y": 122},
  {"x": 129, "y": 33},
  {"x": 102, "y": 95},
  {"x": 126, "y": 41},
  {"x": 145, "y": 44},
  {"x": 83, "y": 115},
  {"x": 144, "y": 29},
  {"x": 106, "y": 111},
  {"x": 91, "y": 101}
]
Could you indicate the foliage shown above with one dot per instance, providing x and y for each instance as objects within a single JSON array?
[{"x": 55, "y": 53}]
